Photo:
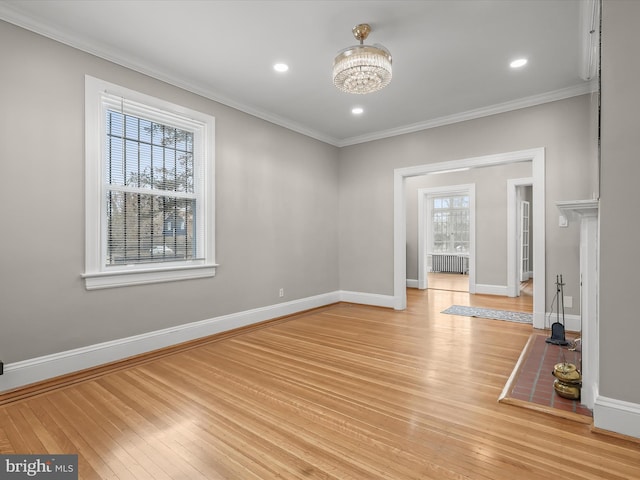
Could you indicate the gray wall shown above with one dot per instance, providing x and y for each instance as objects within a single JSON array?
[
  {"x": 619, "y": 228},
  {"x": 276, "y": 206},
  {"x": 564, "y": 128},
  {"x": 291, "y": 211},
  {"x": 491, "y": 216}
]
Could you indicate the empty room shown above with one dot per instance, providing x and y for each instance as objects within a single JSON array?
[{"x": 315, "y": 239}]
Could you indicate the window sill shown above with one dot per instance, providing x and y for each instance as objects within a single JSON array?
[{"x": 124, "y": 278}]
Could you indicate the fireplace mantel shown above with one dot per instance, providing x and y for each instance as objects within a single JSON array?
[
  {"x": 586, "y": 212},
  {"x": 576, "y": 209}
]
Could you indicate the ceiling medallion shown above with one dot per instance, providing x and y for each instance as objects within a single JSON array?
[{"x": 362, "y": 68}]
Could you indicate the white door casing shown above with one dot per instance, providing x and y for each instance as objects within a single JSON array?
[
  {"x": 524, "y": 241},
  {"x": 537, "y": 158},
  {"x": 423, "y": 194}
]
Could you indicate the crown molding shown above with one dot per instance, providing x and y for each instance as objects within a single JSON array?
[
  {"x": 10, "y": 14},
  {"x": 573, "y": 91},
  {"x": 589, "y": 39}
]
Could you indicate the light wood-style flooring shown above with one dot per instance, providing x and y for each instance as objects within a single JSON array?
[
  {"x": 460, "y": 283},
  {"x": 448, "y": 281},
  {"x": 342, "y": 392}
]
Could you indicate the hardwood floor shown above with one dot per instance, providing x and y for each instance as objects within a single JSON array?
[
  {"x": 448, "y": 281},
  {"x": 460, "y": 283},
  {"x": 342, "y": 392}
]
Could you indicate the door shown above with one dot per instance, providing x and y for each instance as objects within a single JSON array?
[{"x": 524, "y": 241}]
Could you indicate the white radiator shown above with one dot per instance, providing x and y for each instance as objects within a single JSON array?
[{"x": 449, "y": 263}]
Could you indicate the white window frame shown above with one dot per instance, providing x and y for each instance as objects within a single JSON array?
[
  {"x": 99, "y": 95},
  {"x": 430, "y": 229}
]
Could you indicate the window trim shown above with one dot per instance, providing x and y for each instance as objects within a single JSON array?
[
  {"x": 430, "y": 229},
  {"x": 97, "y": 275}
]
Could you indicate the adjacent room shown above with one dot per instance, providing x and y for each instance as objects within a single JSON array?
[{"x": 361, "y": 240}]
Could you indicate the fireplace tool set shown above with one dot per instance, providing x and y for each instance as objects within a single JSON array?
[{"x": 568, "y": 378}]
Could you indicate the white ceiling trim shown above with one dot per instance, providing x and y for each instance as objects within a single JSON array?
[
  {"x": 590, "y": 38},
  {"x": 561, "y": 94},
  {"x": 11, "y": 15}
]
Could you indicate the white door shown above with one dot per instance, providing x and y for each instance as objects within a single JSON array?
[{"x": 524, "y": 241}]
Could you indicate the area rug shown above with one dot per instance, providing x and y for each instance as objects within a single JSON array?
[{"x": 520, "y": 317}]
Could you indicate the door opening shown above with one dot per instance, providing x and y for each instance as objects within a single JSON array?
[
  {"x": 446, "y": 237},
  {"x": 537, "y": 157}
]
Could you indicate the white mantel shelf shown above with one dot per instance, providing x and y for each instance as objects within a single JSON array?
[{"x": 576, "y": 209}]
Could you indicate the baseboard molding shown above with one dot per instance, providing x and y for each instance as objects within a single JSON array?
[
  {"x": 492, "y": 289},
  {"x": 572, "y": 323},
  {"x": 617, "y": 416},
  {"x": 411, "y": 283},
  {"x": 20, "y": 374},
  {"x": 34, "y": 370},
  {"x": 373, "y": 299}
]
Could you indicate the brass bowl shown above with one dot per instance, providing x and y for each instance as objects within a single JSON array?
[
  {"x": 567, "y": 373},
  {"x": 572, "y": 392}
]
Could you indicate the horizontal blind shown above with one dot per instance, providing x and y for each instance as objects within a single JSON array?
[{"x": 150, "y": 188}]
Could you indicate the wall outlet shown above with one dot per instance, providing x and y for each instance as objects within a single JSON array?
[
  {"x": 281, "y": 292},
  {"x": 568, "y": 301}
]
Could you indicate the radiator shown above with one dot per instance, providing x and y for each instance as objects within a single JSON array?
[{"x": 449, "y": 263}]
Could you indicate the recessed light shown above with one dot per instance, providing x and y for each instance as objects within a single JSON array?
[
  {"x": 520, "y": 62},
  {"x": 281, "y": 67},
  {"x": 357, "y": 110}
]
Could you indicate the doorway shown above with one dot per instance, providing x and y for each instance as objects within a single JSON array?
[
  {"x": 537, "y": 157},
  {"x": 520, "y": 235},
  {"x": 524, "y": 195},
  {"x": 446, "y": 237}
]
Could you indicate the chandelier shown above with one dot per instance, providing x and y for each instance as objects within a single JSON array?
[{"x": 362, "y": 68}]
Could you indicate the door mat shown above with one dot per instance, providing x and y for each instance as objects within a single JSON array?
[{"x": 509, "y": 316}]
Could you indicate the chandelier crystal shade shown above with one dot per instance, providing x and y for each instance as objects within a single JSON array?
[{"x": 362, "y": 68}]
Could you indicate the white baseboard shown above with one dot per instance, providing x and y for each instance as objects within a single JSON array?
[
  {"x": 491, "y": 289},
  {"x": 617, "y": 416},
  {"x": 480, "y": 288},
  {"x": 372, "y": 299},
  {"x": 572, "y": 323},
  {"x": 34, "y": 370}
]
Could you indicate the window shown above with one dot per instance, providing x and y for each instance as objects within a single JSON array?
[
  {"x": 149, "y": 189},
  {"x": 450, "y": 224}
]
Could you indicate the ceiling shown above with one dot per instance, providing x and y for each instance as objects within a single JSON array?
[{"x": 450, "y": 57}]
